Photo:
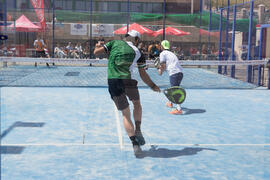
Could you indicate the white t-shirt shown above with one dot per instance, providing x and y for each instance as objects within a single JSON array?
[
  {"x": 39, "y": 44},
  {"x": 172, "y": 63}
]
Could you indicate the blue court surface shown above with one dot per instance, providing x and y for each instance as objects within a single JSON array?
[
  {"x": 76, "y": 133},
  {"x": 68, "y": 133}
]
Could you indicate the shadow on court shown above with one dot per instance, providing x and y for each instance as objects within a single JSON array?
[
  {"x": 12, "y": 149},
  {"x": 17, "y": 149},
  {"x": 155, "y": 152},
  {"x": 21, "y": 124},
  {"x": 188, "y": 111}
]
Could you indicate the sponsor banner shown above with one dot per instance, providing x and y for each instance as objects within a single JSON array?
[
  {"x": 78, "y": 29},
  {"x": 59, "y": 25},
  {"x": 39, "y": 9},
  {"x": 104, "y": 30}
]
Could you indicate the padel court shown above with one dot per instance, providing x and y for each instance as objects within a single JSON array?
[{"x": 75, "y": 133}]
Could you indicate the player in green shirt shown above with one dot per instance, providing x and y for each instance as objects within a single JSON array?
[{"x": 123, "y": 58}]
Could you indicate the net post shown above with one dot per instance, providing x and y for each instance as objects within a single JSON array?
[
  {"x": 268, "y": 66},
  {"x": 53, "y": 28},
  {"x": 210, "y": 26},
  {"x": 5, "y": 21},
  {"x": 249, "y": 68},
  {"x": 128, "y": 11},
  {"x": 227, "y": 35},
  {"x": 260, "y": 57},
  {"x": 91, "y": 30},
  {"x": 260, "y": 45},
  {"x": 220, "y": 39},
  {"x": 233, "y": 41},
  {"x": 200, "y": 37},
  {"x": 164, "y": 20}
]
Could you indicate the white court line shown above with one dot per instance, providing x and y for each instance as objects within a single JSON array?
[
  {"x": 161, "y": 144},
  {"x": 119, "y": 131},
  {"x": 116, "y": 144},
  {"x": 59, "y": 144}
]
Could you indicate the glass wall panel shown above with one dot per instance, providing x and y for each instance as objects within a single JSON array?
[
  {"x": 76, "y": 23},
  {"x": 107, "y": 17},
  {"x": 148, "y": 15},
  {"x": 187, "y": 19}
]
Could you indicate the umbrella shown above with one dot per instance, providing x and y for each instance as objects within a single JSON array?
[
  {"x": 211, "y": 33},
  {"x": 171, "y": 31},
  {"x": 23, "y": 24},
  {"x": 141, "y": 29}
]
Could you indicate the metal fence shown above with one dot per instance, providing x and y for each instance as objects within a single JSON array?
[{"x": 209, "y": 29}]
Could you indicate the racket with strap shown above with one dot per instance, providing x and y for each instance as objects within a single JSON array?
[
  {"x": 175, "y": 94},
  {"x": 157, "y": 62}
]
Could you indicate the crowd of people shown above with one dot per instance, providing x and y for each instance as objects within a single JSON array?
[
  {"x": 151, "y": 49},
  {"x": 71, "y": 51}
]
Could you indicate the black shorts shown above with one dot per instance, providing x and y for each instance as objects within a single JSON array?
[
  {"x": 176, "y": 79},
  {"x": 40, "y": 54},
  {"x": 120, "y": 89}
]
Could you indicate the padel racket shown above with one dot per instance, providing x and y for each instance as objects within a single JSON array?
[{"x": 175, "y": 94}]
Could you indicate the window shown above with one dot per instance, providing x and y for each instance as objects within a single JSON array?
[
  {"x": 157, "y": 8},
  {"x": 147, "y": 7},
  {"x": 47, "y": 4},
  {"x": 124, "y": 7},
  {"x": 136, "y": 7},
  {"x": 94, "y": 5},
  {"x": 113, "y": 6},
  {"x": 102, "y": 6},
  {"x": 10, "y": 4},
  {"x": 22, "y": 4},
  {"x": 174, "y": 8},
  {"x": 67, "y": 4},
  {"x": 80, "y": 5},
  {"x": 58, "y": 4}
]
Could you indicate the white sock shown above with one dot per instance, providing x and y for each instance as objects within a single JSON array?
[{"x": 178, "y": 107}]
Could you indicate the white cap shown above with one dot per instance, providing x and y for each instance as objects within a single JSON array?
[{"x": 134, "y": 33}]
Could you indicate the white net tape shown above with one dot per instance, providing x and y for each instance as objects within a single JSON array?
[{"x": 149, "y": 62}]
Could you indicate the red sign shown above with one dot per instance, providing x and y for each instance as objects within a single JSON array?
[{"x": 39, "y": 8}]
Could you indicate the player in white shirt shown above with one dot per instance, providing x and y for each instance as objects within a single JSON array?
[{"x": 170, "y": 63}]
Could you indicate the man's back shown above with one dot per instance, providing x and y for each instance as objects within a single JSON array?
[
  {"x": 172, "y": 63},
  {"x": 122, "y": 56}
]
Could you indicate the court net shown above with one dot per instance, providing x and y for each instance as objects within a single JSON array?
[{"x": 55, "y": 72}]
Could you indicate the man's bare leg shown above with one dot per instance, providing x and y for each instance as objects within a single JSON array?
[
  {"x": 129, "y": 127},
  {"x": 130, "y": 131},
  {"x": 137, "y": 114}
]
